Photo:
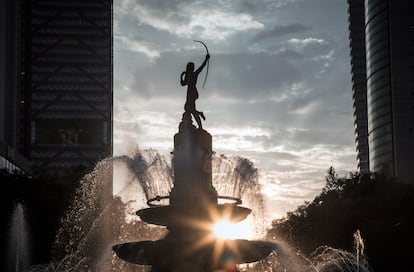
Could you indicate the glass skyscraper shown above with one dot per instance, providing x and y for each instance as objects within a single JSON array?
[{"x": 388, "y": 39}]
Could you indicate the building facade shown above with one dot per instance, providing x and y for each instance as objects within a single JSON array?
[
  {"x": 389, "y": 47},
  {"x": 62, "y": 94},
  {"x": 10, "y": 58},
  {"x": 359, "y": 86}
]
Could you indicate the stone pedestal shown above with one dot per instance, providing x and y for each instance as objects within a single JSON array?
[{"x": 192, "y": 166}]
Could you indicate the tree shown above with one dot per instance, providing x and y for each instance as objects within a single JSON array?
[{"x": 380, "y": 207}]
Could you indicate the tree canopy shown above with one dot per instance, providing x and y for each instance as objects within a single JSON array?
[{"x": 379, "y": 207}]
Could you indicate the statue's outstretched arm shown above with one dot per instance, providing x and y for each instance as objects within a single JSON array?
[{"x": 203, "y": 64}]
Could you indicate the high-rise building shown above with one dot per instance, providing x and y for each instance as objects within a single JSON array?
[
  {"x": 10, "y": 59},
  {"x": 359, "y": 86},
  {"x": 59, "y": 89},
  {"x": 389, "y": 59}
]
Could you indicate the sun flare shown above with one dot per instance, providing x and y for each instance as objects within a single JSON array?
[{"x": 226, "y": 230}]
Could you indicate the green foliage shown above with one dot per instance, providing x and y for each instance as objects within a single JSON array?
[{"x": 381, "y": 208}]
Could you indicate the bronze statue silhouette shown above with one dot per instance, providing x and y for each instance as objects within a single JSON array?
[{"x": 189, "y": 78}]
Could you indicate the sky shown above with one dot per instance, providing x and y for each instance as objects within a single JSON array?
[{"x": 278, "y": 90}]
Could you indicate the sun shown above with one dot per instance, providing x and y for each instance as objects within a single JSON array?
[{"x": 224, "y": 229}]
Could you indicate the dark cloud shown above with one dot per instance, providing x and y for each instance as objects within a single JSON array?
[
  {"x": 160, "y": 78},
  {"x": 287, "y": 53},
  {"x": 280, "y": 30},
  {"x": 251, "y": 75},
  {"x": 153, "y": 13},
  {"x": 263, "y": 7},
  {"x": 318, "y": 100},
  {"x": 162, "y": 5}
]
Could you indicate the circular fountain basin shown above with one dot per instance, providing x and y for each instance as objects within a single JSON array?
[
  {"x": 219, "y": 253},
  {"x": 179, "y": 214}
]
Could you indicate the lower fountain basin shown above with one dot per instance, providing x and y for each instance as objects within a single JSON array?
[{"x": 218, "y": 252}]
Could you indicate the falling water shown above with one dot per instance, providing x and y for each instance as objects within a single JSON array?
[
  {"x": 96, "y": 220},
  {"x": 18, "y": 248},
  {"x": 324, "y": 259}
]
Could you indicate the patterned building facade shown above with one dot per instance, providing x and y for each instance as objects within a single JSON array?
[{"x": 63, "y": 89}]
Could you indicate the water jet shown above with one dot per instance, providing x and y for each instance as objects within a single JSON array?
[{"x": 18, "y": 251}]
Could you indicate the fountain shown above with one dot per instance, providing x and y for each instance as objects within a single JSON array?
[
  {"x": 193, "y": 207},
  {"x": 93, "y": 224},
  {"x": 192, "y": 211},
  {"x": 18, "y": 247}
]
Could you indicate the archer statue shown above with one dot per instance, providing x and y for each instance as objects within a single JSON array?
[{"x": 189, "y": 78}]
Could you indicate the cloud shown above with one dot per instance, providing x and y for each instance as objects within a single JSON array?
[
  {"x": 301, "y": 43},
  {"x": 260, "y": 7},
  {"x": 189, "y": 18},
  {"x": 251, "y": 76},
  {"x": 218, "y": 25},
  {"x": 280, "y": 30},
  {"x": 136, "y": 45}
]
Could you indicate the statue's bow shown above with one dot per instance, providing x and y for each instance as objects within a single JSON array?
[{"x": 208, "y": 61}]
